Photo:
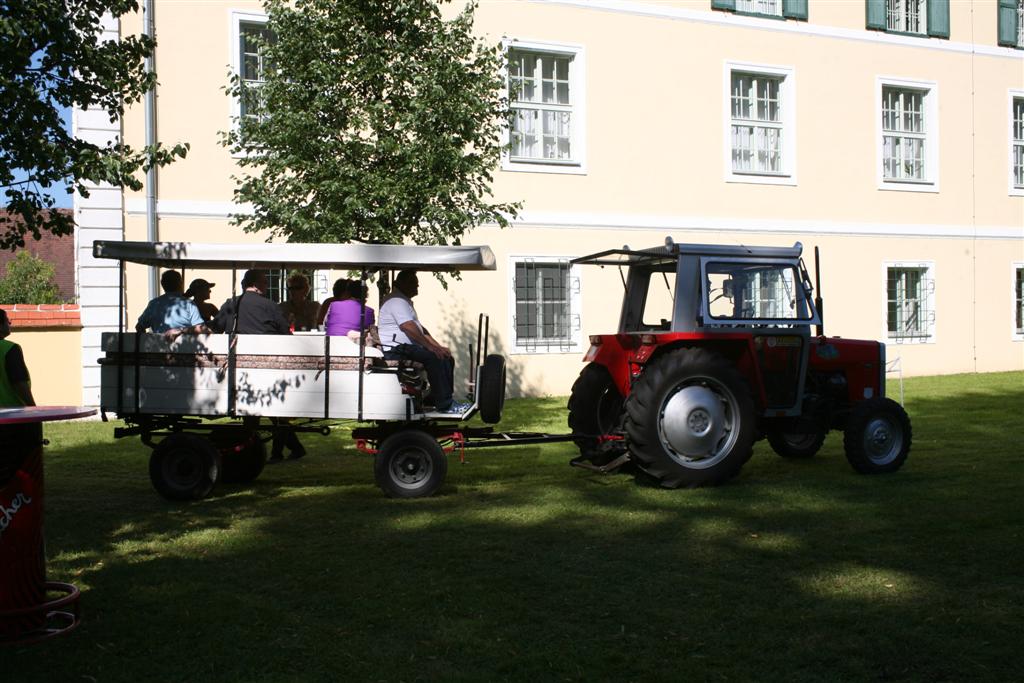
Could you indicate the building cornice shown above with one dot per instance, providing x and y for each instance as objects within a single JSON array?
[
  {"x": 578, "y": 220},
  {"x": 645, "y": 9}
]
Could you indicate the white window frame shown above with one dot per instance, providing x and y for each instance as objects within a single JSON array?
[
  {"x": 757, "y": 13},
  {"x": 787, "y": 93},
  {"x": 922, "y": 20},
  {"x": 1014, "y": 189},
  {"x": 1015, "y": 335},
  {"x": 930, "y": 91},
  {"x": 574, "y": 343},
  {"x": 932, "y": 324},
  {"x": 237, "y": 18},
  {"x": 578, "y": 101}
]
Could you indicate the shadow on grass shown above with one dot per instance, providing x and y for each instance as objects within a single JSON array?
[{"x": 526, "y": 569}]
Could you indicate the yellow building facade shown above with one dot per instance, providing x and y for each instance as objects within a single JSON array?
[{"x": 896, "y": 150}]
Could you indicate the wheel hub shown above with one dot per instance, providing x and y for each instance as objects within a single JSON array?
[
  {"x": 882, "y": 441},
  {"x": 694, "y": 421},
  {"x": 410, "y": 469}
]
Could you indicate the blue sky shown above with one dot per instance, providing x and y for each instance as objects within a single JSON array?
[{"x": 58, "y": 193}]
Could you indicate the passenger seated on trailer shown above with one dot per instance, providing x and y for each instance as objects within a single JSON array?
[
  {"x": 256, "y": 313},
  {"x": 171, "y": 313},
  {"x": 343, "y": 316},
  {"x": 259, "y": 315},
  {"x": 340, "y": 293},
  {"x": 299, "y": 310},
  {"x": 402, "y": 336}
]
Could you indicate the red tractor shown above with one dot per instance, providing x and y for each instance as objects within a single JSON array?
[{"x": 714, "y": 352}]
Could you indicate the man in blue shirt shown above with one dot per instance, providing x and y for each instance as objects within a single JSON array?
[{"x": 171, "y": 311}]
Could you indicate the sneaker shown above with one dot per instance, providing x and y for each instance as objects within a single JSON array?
[
  {"x": 275, "y": 458},
  {"x": 456, "y": 408},
  {"x": 295, "y": 455}
]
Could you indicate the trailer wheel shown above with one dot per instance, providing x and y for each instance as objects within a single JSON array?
[
  {"x": 492, "y": 388},
  {"x": 796, "y": 444},
  {"x": 242, "y": 455},
  {"x": 410, "y": 464},
  {"x": 184, "y": 467},
  {"x": 595, "y": 409},
  {"x": 690, "y": 419},
  {"x": 878, "y": 436}
]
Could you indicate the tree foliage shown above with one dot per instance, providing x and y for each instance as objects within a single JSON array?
[
  {"x": 52, "y": 57},
  {"x": 29, "y": 280},
  {"x": 378, "y": 121}
]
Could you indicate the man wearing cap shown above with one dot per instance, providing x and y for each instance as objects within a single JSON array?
[
  {"x": 199, "y": 290},
  {"x": 15, "y": 384},
  {"x": 171, "y": 312}
]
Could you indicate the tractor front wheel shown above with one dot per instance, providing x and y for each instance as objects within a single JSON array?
[
  {"x": 690, "y": 419},
  {"x": 410, "y": 464},
  {"x": 595, "y": 410},
  {"x": 878, "y": 436}
]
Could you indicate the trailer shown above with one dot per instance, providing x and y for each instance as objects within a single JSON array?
[{"x": 207, "y": 403}]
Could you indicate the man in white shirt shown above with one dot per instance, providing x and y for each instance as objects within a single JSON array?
[{"x": 403, "y": 336}]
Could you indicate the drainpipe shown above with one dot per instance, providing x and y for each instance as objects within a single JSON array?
[{"x": 152, "y": 232}]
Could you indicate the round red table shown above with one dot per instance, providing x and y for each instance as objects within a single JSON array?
[{"x": 27, "y": 613}]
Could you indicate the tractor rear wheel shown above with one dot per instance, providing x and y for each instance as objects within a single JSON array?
[
  {"x": 877, "y": 436},
  {"x": 690, "y": 419},
  {"x": 410, "y": 464},
  {"x": 184, "y": 467},
  {"x": 595, "y": 409}
]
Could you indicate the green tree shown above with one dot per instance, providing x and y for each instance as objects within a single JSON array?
[
  {"x": 376, "y": 121},
  {"x": 53, "y": 57},
  {"x": 29, "y": 280}
]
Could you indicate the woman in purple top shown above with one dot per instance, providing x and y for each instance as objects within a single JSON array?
[{"x": 343, "y": 316}]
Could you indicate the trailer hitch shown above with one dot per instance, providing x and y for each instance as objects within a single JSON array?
[{"x": 602, "y": 469}]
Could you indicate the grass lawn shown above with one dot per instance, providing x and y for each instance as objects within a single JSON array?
[{"x": 527, "y": 569}]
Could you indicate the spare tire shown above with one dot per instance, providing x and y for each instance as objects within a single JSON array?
[{"x": 491, "y": 389}]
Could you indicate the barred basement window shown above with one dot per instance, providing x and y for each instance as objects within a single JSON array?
[
  {"x": 1018, "y": 301},
  {"x": 910, "y": 314},
  {"x": 904, "y": 134},
  {"x": 544, "y": 318},
  {"x": 905, "y": 16},
  {"x": 757, "y": 125}
]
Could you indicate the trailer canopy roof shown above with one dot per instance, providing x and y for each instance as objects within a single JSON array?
[
  {"x": 671, "y": 251},
  {"x": 285, "y": 255}
]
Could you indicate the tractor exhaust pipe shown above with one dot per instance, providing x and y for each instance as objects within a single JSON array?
[{"x": 818, "y": 302}]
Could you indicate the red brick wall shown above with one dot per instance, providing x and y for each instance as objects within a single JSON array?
[
  {"x": 59, "y": 251},
  {"x": 42, "y": 316}
]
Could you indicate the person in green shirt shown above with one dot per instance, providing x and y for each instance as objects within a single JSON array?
[{"x": 15, "y": 384}]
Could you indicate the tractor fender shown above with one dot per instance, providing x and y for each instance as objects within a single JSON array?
[{"x": 626, "y": 355}]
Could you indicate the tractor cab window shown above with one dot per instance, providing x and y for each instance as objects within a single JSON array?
[
  {"x": 754, "y": 291},
  {"x": 660, "y": 299}
]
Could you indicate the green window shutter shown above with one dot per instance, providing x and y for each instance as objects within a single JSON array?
[
  {"x": 876, "y": 14},
  {"x": 938, "y": 18},
  {"x": 724, "y": 4},
  {"x": 1007, "y": 23},
  {"x": 794, "y": 9}
]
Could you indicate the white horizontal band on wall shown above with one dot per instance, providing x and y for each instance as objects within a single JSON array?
[
  {"x": 802, "y": 28},
  {"x": 169, "y": 208}
]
